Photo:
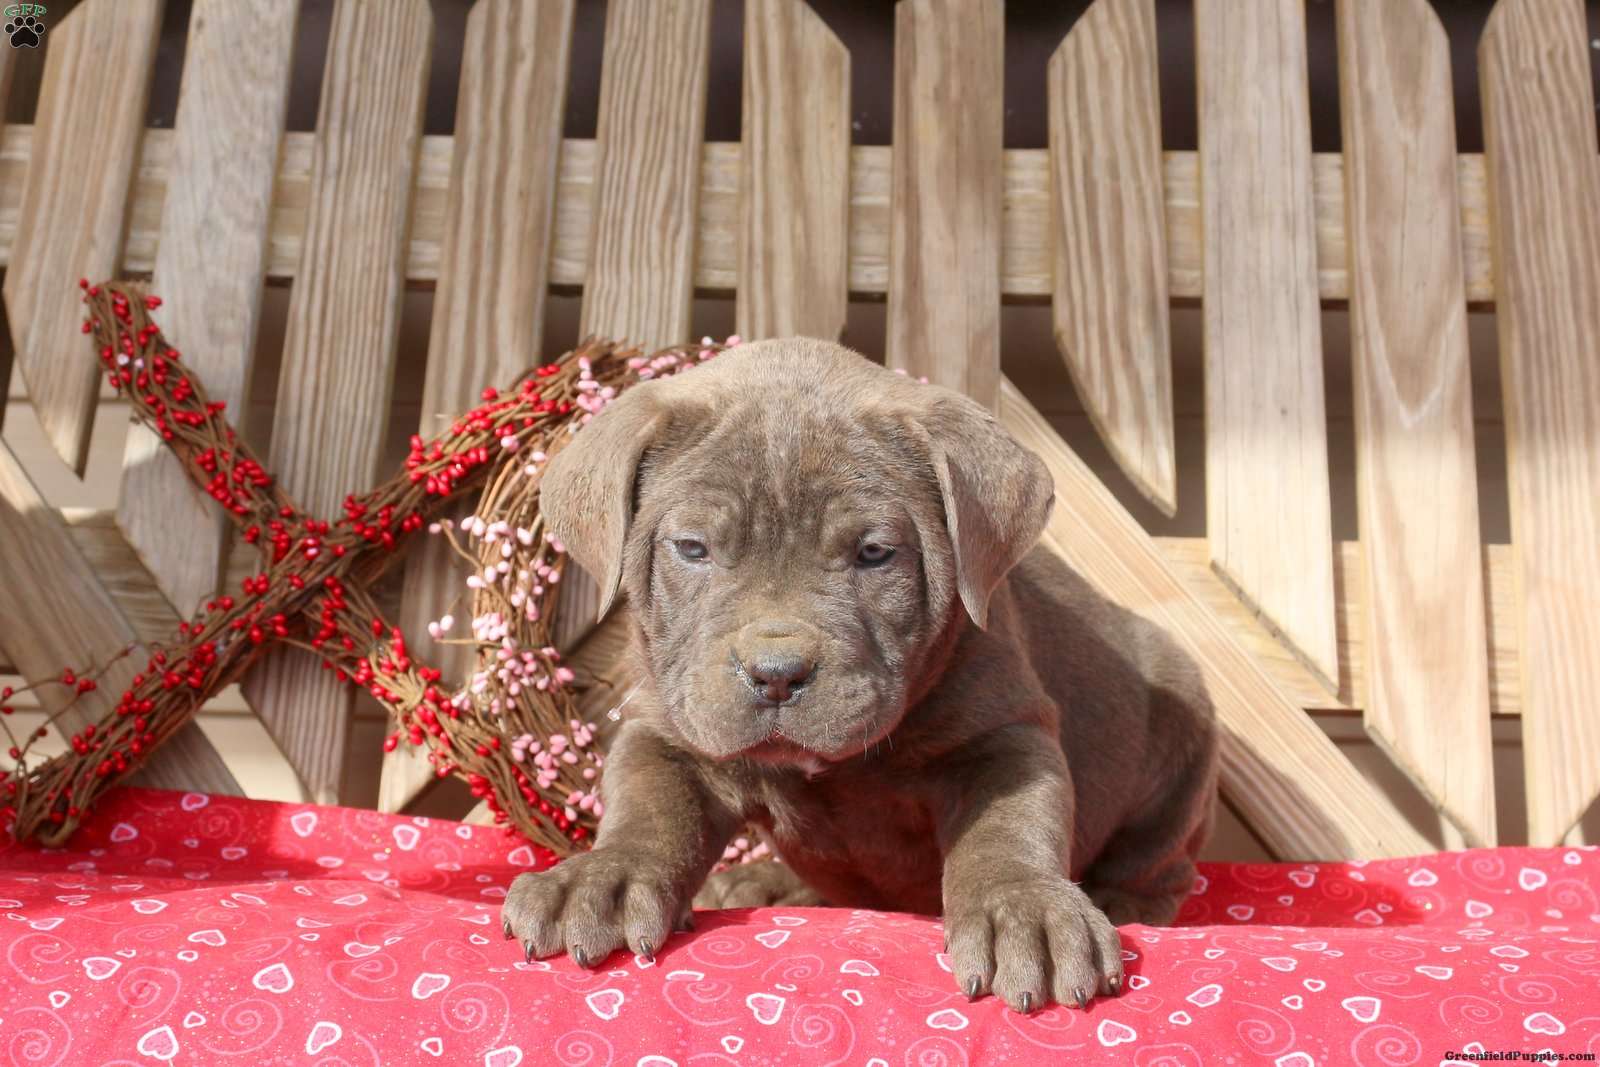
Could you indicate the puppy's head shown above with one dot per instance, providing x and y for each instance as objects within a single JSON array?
[{"x": 794, "y": 526}]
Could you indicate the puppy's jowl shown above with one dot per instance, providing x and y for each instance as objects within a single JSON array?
[{"x": 848, "y": 637}]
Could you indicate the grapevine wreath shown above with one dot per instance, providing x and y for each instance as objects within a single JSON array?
[{"x": 510, "y": 729}]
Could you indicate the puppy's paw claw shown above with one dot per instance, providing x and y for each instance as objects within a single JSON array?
[
  {"x": 1033, "y": 940},
  {"x": 591, "y": 905}
]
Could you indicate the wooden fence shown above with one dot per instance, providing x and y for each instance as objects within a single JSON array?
[{"x": 1419, "y": 626}]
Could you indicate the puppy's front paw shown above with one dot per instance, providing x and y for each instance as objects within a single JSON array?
[
  {"x": 1032, "y": 939},
  {"x": 593, "y": 904}
]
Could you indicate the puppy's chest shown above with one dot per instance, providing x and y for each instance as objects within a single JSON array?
[{"x": 856, "y": 846}]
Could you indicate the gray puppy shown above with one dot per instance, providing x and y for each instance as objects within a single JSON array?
[{"x": 848, "y": 637}]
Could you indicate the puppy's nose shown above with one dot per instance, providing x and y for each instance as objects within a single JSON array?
[{"x": 778, "y": 675}]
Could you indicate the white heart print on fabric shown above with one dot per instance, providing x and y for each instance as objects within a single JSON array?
[
  {"x": 606, "y": 1003},
  {"x": 766, "y": 1007},
  {"x": 1110, "y": 1032},
  {"x": 322, "y": 1035},
  {"x": 947, "y": 1019},
  {"x": 159, "y": 1044},
  {"x": 427, "y": 984},
  {"x": 1362, "y": 1009},
  {"x": 507, "y": 1056},
  {"x": 274, "y": 978}
]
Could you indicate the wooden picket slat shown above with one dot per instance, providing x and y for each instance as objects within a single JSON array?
[
  {"x": 488, "y": 309},
  {"x": 1416, "y": 478},
  {"x": 74, "y": 197},
  {"x": 1027, "y": 253},
  {"x": 344, "y": 319},
  {"x": 210, "y": 268},
  {"x": 945, "y": 206},
  {"x": 794, "y": 175},
  {"x": 71, "y": 620},
  {"x": 1294, "y": 788},
  {"x": 1110, "y": 301},
  {"x": 639, "y": 279},
  {"x": 1544, "y": 183},
  {"x": 1267, "y": 502}
]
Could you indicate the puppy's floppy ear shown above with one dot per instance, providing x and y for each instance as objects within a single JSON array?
[
  {"x": 997, "y": 494},
  {"x": 586, "y": 494}
]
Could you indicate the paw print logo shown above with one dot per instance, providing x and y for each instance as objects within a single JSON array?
[{"x": 25, "y": 32}]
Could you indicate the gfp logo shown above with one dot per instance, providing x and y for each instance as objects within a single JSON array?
[{"x": 23, "y": 26}]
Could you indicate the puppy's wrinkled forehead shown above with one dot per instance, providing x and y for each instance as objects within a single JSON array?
[{"x": 788, "y": 472}]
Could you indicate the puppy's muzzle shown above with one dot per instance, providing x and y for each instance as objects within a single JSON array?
[{"x": 776, "y": 660}]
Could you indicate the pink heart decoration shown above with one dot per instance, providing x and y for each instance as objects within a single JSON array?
[
  {"x": 99, "y": 968},
  {"x": 773, "y": 938},
  {"x": 123, "y": 832},
  {"x": 193, "y": 801},
  {"x": 1362, "y": 1009},
  {"x": 1294, "y": 1001},
  {"x": 433, "y": 1046},
  {"x": 606, "y": 1003},
  {"x": 193, "y": 1019},
  {"x": 731, "y": 1044},
  {"x": 947, "y": 1019},
  {"x": 146, "y": 906},
  {"x": 1542, "y": 1022},
  {"x": 235, "y": 852},
  {"x": 1111, "y": 1032},
  {"x": 322, "y": 1035},
  {"x": 303, "y": 822},
  {"x": 509, "y": 1056},
  {"x": 765, "y": 1007},
  {"x": 273, "y": 979},
  {"x": 1303, "y": 879},
  {"x": 1281, "y": 963},
  {"x": 406, "y": 837},
  {"x": 788, "y": 920},
  {"x": 853, "y": 996},
  {"x": 208, "y": 937},
  {"x": 159, "y": 1044},
  {"x": 427, "y": 983},
  {"x": 1180, "y": 1018},
  {"x": 521, "y": 856},
  {"x": 861, "y": 967},
  {"x": 1434, "y": 971},
  {"x": 1205, "y": 996}
]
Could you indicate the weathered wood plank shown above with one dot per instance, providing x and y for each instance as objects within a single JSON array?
[
  {"x": 209, "y": 269},
  {"x": 488, "y": 310},
  {"x": 1109, "y": 228},
  {"x": 1544, "y": 184},
  {"x": 1267, "y": 502},
  {"x": 947, "y": 194},
  {"x": 1027, "y": 253},
  {"x": 1416, "y": 479},
  {"x": 1279, "y": 770},
  {"x": 344, "y": 319},
  {"x": 794, "y": 230},
  {"x": 639, "y": 277},
  {"x": 73, "y": 621},
  {"x": 73, "y": 201}
]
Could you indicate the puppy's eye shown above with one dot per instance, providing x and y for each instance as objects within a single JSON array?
[
  {"x": 873, "y": 555},
  {"x": 691, "y": 549}
]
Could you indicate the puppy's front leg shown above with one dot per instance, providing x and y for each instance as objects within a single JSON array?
[
  {"x": 659, "y": 836},
  {"x": 1014, "y": 923}
]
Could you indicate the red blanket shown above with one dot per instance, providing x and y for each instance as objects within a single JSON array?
[{"x": 194, "y": 929}]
